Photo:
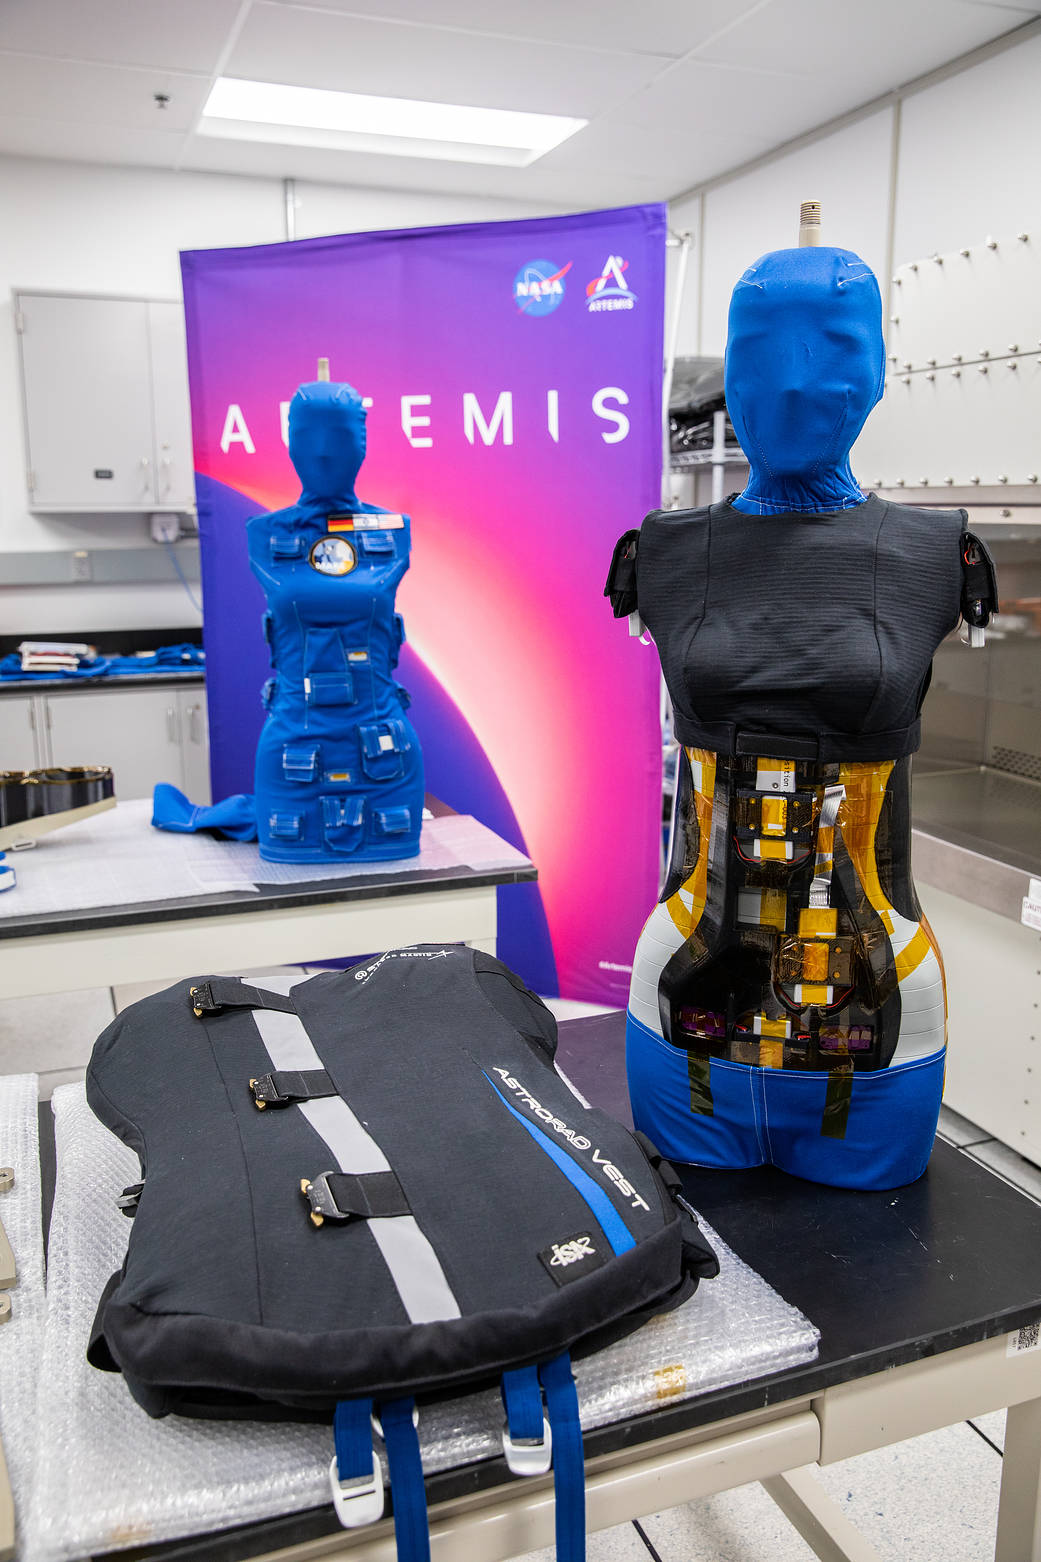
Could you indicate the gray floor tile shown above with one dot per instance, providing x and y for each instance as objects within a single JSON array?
[
  {"x": 1024, "y": 1174},
  {"x": 957, "y": 1129},
  {"x": 52, "y": 1031},
  {"x": 934, "y": 1496},
  {"x": 992, "y": 1426},
  {"x": 931, "y": 1497},
  {"x": 50, "y": 1081},
  {"x": 572, "y": 1009},
  {"x": 133, "y": 992},
  {"x": 619, "y": 1544},
  {"x": 742, "y": 1525}
]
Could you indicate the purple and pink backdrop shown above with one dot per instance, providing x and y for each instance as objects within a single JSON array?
[{"x": 514, "y": 371}]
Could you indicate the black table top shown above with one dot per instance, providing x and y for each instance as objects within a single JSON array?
[
  {"x": 887, "y": 1277},
  {"x": 376, "y": 885},
  {"x": 37, "y": 684}
]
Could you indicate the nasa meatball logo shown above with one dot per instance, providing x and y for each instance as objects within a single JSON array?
[
  {"x": 538, "y": 287},
  {"x": 333, "y": 556}
]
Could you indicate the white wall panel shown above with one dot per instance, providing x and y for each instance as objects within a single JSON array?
[
  {"x": 334, "y": 208},
  {"x": 969, "y": 162},
  {"x": 759, "y": 211},
  {"x": 685, "y": 217}
]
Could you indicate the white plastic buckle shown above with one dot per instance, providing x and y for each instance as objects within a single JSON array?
[
  {"x": 360, "y": 1501},
  {"x": 525, "y": 1456}
]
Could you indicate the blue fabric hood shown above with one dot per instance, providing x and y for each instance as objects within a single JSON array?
[
  {"x": 327, "y": 442},
  {"x": 805, "y": 364}
]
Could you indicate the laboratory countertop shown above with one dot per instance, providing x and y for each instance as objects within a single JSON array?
[{"x": 168, "y": 678}]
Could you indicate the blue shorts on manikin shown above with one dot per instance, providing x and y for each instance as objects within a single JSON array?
[
  {"x": 779, "y": 1117},
  {"x": 339, "y": 773}
]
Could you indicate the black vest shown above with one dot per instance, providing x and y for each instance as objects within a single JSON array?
[{"x": 800, "y": 636}]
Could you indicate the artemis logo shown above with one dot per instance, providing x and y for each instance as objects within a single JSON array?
[{"x": 610, "y": 290}]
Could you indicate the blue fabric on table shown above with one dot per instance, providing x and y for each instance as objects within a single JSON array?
[
  {"x": 234, "y": 817},
  {"x": 167, "y": 658}
]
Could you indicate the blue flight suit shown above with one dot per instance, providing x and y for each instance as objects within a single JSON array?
[{"x": 339, "y": 772}]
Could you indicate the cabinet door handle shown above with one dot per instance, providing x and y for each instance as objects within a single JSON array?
[
  {"x": 166, "y": 466},
  {"x": 194, "y": 727},
  {"x": 146, "y": 469},
  {"x": 171, "y": 725},
  {"x": 32, "y": 717},
  {"x": 49, "y": 713}
]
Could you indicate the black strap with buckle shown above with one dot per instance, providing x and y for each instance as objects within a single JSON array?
[
  {"x": 227, "y": 992},
  {"x": 979, "y": 582},
  {"x": 286, "y": 1087},
  {"x": 621, "y": 577},
  {"x": 128, "y": 1200},
  {"x": 346, "y": 1196}
]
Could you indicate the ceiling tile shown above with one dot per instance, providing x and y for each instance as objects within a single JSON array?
[
  {"x": 65, "y": 141},
  {"x": 172, "y": 34},
  {"x": 670, "y": 27},
  {"x": 69, "y": 92},
  {"x": 871, "y": 49},
  {"x": 664, "y": 158},
  {"x": 576, "y": 189},
  {"x": 694, "y": 104},
  {"x": 323, "y": 49}
]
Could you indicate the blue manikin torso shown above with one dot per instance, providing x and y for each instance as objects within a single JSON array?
[
  {"x": 339, "y": 773},
  {"x": 805, "y": 364}
]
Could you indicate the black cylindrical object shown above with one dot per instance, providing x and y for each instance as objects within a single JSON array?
[{"x": 61, "y": 788}]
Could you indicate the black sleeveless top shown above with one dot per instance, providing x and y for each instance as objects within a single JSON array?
[{"x": 801, "y": 636}]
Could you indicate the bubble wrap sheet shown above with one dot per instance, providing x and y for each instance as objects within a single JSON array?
[
  {"x": 22, "y": 1335},
  {"x": 109, "y": 1477}
]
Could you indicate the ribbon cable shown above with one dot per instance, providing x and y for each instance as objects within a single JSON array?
[
  {"x": 568, "y": 1459},
  {"x": 820, "y": 889}
]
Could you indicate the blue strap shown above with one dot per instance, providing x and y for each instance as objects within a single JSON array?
[
  {"x": 352, "y": 1434},
  {"x": 568, "y": 1458},
  {"x": 411, "y": 1529},
  {"x": 522, "y": 1396}
]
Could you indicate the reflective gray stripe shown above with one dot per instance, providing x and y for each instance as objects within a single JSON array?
[{"x": 408, "y": 1254}]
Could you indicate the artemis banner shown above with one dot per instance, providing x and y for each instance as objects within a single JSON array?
[{"x": 513, "y": 375}]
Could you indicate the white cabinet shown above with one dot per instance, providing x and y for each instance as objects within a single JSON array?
[
  {"x": 195, "y": 743},
  {"x": 105, "y": 389},
  {"x": 145, "y": 735},
  {"x": 136, "y": 731},
  {"x": 174, "y": 476},
  {"x": 17, "y": 733}
]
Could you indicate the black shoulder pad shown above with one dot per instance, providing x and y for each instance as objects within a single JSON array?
[
  {"x": 621, "y": 577},
  {"x": 979, "y": 583}
]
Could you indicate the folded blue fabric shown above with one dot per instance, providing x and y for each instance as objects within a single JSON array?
[
  {"x": 167, "y": 658},
  {"x": 234, "y": 817}
]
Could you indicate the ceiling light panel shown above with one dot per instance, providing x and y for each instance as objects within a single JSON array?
[{"x": 314, "y": 116}]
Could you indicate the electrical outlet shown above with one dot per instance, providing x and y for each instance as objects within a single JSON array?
[
  {"x": 165, "y": 528},
  {"x": 81, "y": 565}
]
